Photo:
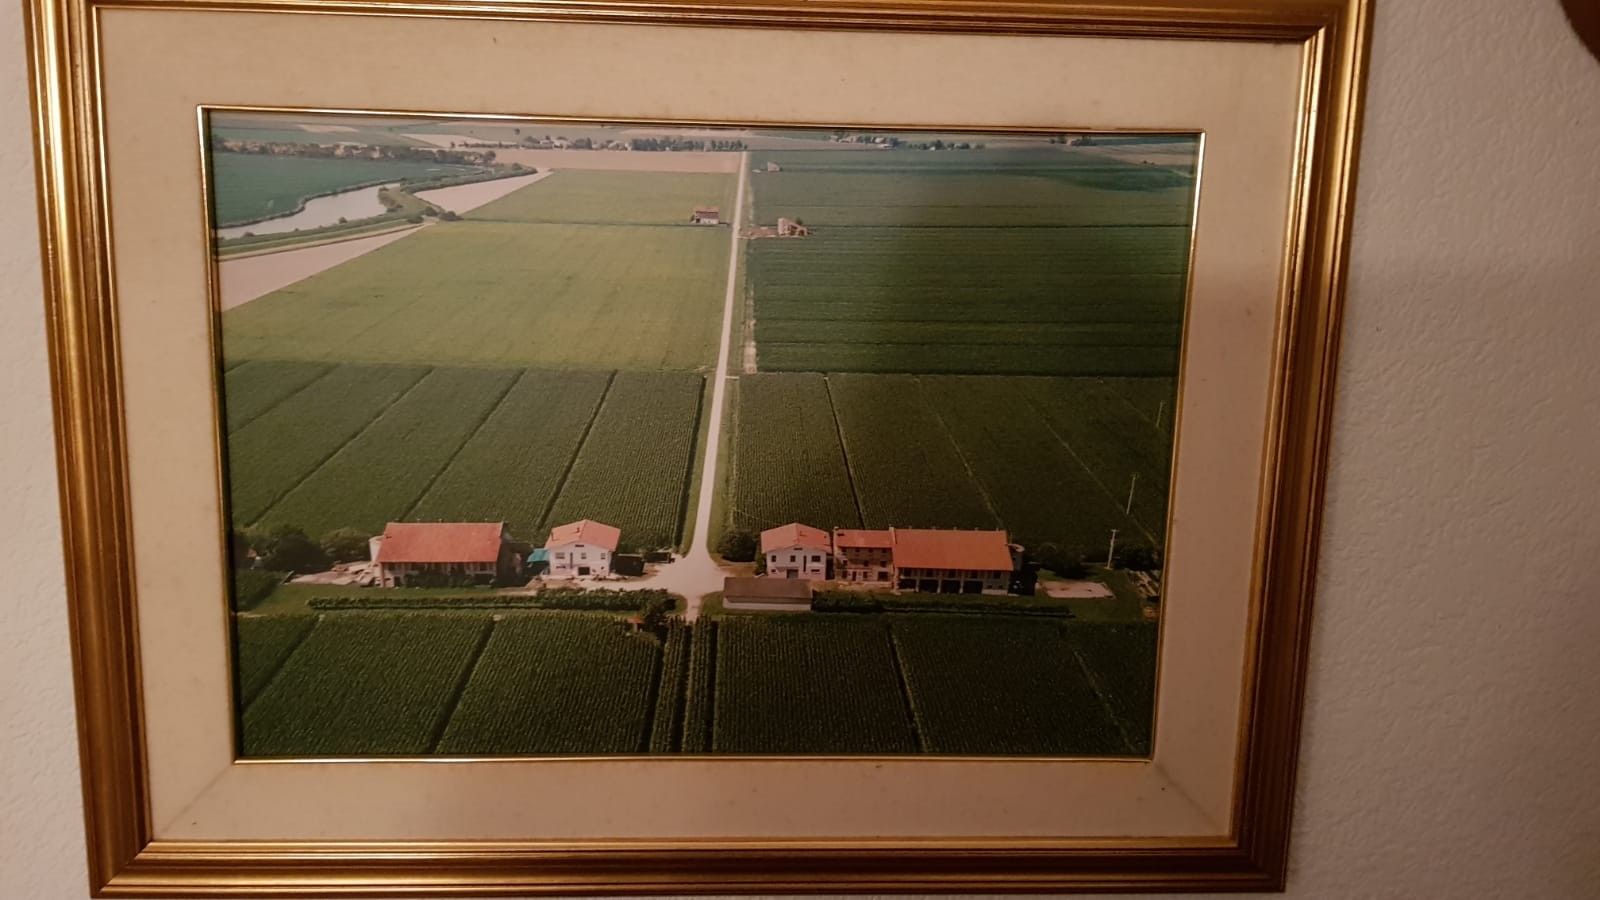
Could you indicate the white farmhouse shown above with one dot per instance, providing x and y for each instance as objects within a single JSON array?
[
  {"x": 796, "y": 551},
  {"x": 582, "y": 549}
]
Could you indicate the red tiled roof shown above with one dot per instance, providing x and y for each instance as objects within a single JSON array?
[
  {"x": 916, "y": 548},
  {"x": 851, "y": 538},
  {"x": 793, "y": 535},
  {"x": 441, "y": 542},
  {"x": 707, "y": 210},
  {"x": 586, "y": 531}
]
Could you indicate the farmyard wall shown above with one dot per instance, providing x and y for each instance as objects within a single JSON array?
[{"x": 1452, "y": 722}]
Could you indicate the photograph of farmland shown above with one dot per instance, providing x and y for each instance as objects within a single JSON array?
[{"x": 555, "y": 438}]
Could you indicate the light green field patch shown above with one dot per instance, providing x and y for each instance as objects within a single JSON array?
[
  {"x": 482, "y": 293},
  {"x": 623, "y": 198}
]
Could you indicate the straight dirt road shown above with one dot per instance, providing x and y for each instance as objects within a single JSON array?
[{"x": 697, "y": 573}]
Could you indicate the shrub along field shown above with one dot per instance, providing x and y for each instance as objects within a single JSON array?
[
  {"x": 525, "y": 681},
  {"x": 529, "y": 447},
  {"x": 1047, "y": 459},
  {"x": 248, "y": 187},
  {"x": 508, "y": 294}
]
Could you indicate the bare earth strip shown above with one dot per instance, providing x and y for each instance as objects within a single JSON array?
[
  {"x": 466, "y": 197},
  {"x": 243, "y": 280}
]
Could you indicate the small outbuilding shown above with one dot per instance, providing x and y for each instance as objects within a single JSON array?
[
  {"x": 766, "y": 594},
  {"x": 705, "y": 215},
  {"x": 792, "y": 228}
]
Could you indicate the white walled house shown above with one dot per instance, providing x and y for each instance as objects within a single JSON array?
[
  {"x": 796, "y": 551},
  {"x": 582, "y": 549}
]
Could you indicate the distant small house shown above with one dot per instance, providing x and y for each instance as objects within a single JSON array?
[
  {"x": 796, "y": 551},
  {"x": 792, "y": 228},
  {"x": 582, "y": 549},
  {"x": 705, "y": 215},
  {"x": 412, "y": 553},
  {"x": 769, "y": 594},
  {"x": 774, "y": 167},
  {"x": 863, "y": 555}
]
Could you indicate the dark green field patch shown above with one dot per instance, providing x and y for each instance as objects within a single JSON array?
[
  {"x": 255, "y": 386},
  {"x": 515, "y": 462},
  {"x": 1000, "y": 686},
  {"x": 808, "y": 684},
  {"x": 907, "y": 472},
  {"x": 551, "y": 683},
  {"x": 1120, "y": 660},
  {"x": 788, "y": 465},
  {"x": 279, "y": 448},
  {"x": 374, "y": 683},
  {"x": 261, "y": 644},
  {"x": 633, "y": 468},
  {"x": 249, "y": 187},
  {"x": 380, "y": 473}
]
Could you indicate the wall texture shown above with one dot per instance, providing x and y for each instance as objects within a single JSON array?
[{"x": 1453, "y": 723}]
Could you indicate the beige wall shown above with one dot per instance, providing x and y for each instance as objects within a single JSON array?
[{"x": 1453, "y": 719}]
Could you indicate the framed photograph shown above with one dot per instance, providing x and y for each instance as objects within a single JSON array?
[{"x": 660, "y": 447}]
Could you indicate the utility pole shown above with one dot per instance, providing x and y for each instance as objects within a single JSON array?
[
  {"x": 1159, "y": 410},
  {"x": 1128, "y": 510},
  {"x": 1111, "y": 551}
]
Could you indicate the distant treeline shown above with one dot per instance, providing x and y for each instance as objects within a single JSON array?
[{"x": 354, "y": 151}]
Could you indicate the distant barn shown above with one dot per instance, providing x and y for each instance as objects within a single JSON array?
[{"x": 705, "y": 215}]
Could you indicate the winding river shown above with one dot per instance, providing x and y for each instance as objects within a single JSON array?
[{"x": 356, "y": 203}]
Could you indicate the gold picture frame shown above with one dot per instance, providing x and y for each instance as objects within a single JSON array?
[{"x": 129, "y": 857}]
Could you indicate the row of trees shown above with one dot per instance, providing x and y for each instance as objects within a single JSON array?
[
  {"x": 285, "y": 548},
  {"x": 316, "y": 150}
]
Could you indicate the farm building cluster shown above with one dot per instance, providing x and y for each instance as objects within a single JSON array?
[
  {"x": 910, "y": 559},
  {"x": 424, "y": 553}
]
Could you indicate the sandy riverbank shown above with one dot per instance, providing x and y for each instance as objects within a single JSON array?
[
  {"x": 465, "y": 197},
  {"x": 243, "y": 280}
]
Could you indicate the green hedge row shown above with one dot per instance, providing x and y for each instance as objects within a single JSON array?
[
  {"x": 598, "y": 601},
  {"x": 865, "y": 602}
]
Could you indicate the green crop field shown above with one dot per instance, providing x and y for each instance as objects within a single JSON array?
[
  {"x": 787, "y": 463},
  {"x": 513, "y": 466},
  {"x": 248, "y": 187},
  {"x": 1047, "y": 459},
  {"x": 490, "y": 293},
  {"x": 371, "y": 683},
  {"x": 400, "y": 452},
  {"x": 808, "y": 684},
  {"x": 261, "y": 644},
  {"x": 527, "y": 681},
  {"x": 280, "y": 447},
  {"x": 633, "y": 470},
  {"x": 528, "y": 447},
  {"x": 1041, "y": 262},
  {"x": 1037, "y": 486},
  {"x": 255, "y": 386},
  {"x": 907, "y": 471},
  {"x": 613, "y": 198},
  {"x": 1038, "y": 701},
  {"x": 1120, "y": 660},
  {"x": 1012, "y": 187},
  {"x": 552, "y": 683}
]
